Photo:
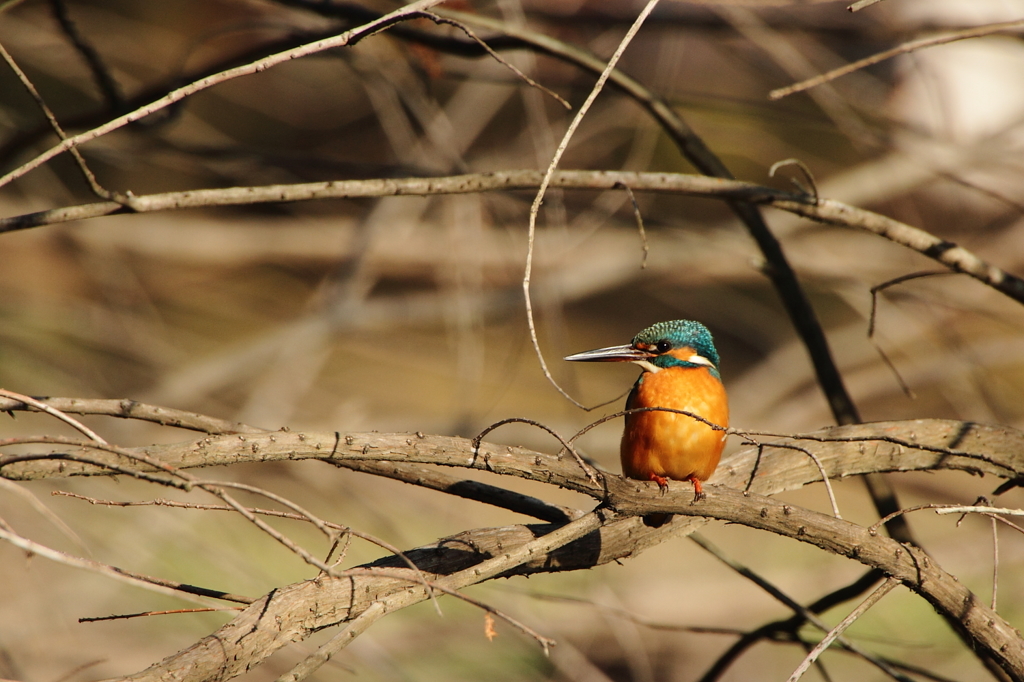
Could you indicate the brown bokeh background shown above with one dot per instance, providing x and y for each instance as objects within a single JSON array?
[{"x": 406, "y": 314}]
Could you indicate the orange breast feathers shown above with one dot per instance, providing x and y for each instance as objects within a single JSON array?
[{"x": 667, "y": 444}]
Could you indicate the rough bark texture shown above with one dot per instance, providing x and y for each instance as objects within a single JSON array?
[{"x": 293, "y": 612}]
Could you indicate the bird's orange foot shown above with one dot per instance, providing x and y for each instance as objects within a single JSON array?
[
  {"x": 698, "y": 491},
  {"x": 657, "y": 520}
]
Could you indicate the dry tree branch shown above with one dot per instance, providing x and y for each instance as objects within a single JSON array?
[
  {"x": 105, "y": 82},
  {"x": 358, "y": 600},
  {"x": 347, "y": 38},
  {"x": 905, "y": 48},
  {"x": 589, "y": 470},
  {"x": 621, "y": 538},
  {"x": 973, "y": 509},
  {"x": 838, "y": 630},
  {"x": 689, "y": 185},
  {"x": 908, "y": 564},
  {"x": 827, "y": 211},
  {"x": 546, "y": 181},
  {"x": 843, "y": 451},
  {"x": 305, "y": 607},
  {"x": 433, "y": 479},
  {"x": 426, "y": 477},
  {"x": 437, "y": 19},
  {"x": 477, "y": 573},
  {"x": 52, "y": 411},
  {"x": 90, "y": 177},
  {"x": 306, "y": 517},
  {"x": 949, "y": 254},
  {"x": 131, "y": 409},
  {"x": 37, "y": 505},
  {"x": 992, "y": 512},
  {"x": 802, "y": 612},
  {"x": 158, "y": 585},
  {"x": 178, "y": 479},
  {"x": 146, "y": 614}
]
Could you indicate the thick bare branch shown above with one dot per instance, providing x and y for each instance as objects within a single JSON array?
[
  {"x": 312, "y": 605},
  {"x": 842, "y": 451},
  {"x": 829, "y": 211},
  {"x": 908, "y": 564},
  {"x": 296, "y": 611}
]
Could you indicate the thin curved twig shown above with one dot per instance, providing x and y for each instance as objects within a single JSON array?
[
  {"x": 546, "y": 180},
  {"x": 159, "y": 585},
  {"x": 185, "y": 481},
  {"x": 633, "y": 410},
  {"x": 587, "y": 469},
  {"x": 53, "y": 412},
  {"x": 905, "y": 48},
  {"x": 838, "y": 630},
  {"x": 812, "y": 456},
  {"x": 90, "y": 177},
  {"x": 639, "y": 225},
  {"x": 304, "y": 516},
  {"x": 438, "y": 19}
]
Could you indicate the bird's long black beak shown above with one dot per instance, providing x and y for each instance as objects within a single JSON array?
[{"x": 611, "y": 354}]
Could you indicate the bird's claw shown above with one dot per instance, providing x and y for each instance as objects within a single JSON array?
[
  {"x": 698, "y": 491},
  {"x": 661, "y": 481}
]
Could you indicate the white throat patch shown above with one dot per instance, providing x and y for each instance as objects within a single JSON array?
[{"x": 648, "y": 366}]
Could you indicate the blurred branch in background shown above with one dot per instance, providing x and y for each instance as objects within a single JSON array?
[{"x": 261, "y": 261}]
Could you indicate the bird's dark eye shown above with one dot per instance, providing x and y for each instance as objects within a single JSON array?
[{"x": 663, "y": 346}]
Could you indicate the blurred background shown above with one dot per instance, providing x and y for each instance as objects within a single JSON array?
[{"x": 406, "y": 314}]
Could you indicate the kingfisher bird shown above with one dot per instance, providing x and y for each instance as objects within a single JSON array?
[{"x": 680, "y": 372}]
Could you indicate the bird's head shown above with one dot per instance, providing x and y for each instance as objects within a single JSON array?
[{"x": 676, "y": 343}]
